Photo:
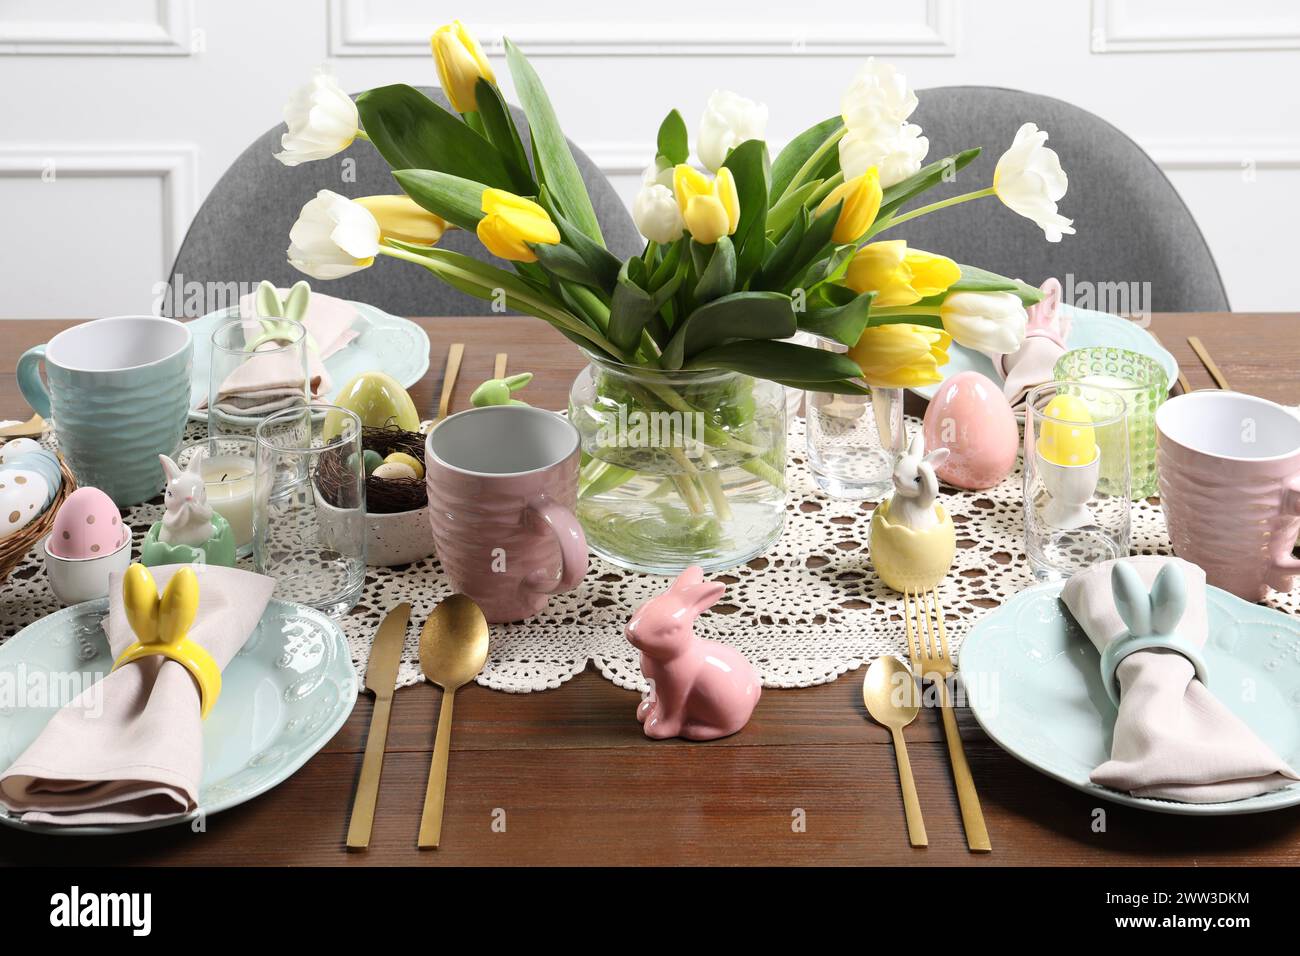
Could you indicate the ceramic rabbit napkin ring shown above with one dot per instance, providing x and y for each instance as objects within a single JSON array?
[
  {"x": 1151, "y": 620},
  {"x": 162, "y": 623}
]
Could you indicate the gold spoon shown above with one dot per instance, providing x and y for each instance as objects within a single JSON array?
[
  {"x": 890, "y": 694},
  {"x": 453, "y": 649}
]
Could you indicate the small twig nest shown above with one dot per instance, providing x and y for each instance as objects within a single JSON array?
[{"x": 383, "y": 495}]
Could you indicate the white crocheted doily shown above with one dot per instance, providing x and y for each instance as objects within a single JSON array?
[{"x": 808, "y": 611}]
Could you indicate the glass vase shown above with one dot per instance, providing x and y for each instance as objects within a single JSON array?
[{"x": 678, "y": 468}]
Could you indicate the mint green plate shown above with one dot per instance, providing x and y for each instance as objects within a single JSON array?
[
  {"x": 1032, "y": 680},
  {"x": 1087, "y": 328},
  {"x": 386, "y": 343},
  {"x": 286, "y": 693}
]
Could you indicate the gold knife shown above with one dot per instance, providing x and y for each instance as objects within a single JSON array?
[{"x": 381, "y": 678}]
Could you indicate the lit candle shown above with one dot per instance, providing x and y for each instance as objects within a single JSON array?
[{"x": 229, "y": 483}]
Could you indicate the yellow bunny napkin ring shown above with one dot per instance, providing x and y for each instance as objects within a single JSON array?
[{"x": 162, "y": 623}]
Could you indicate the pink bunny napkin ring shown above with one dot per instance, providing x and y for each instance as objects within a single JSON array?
[{"x": 1151, "y": 620}]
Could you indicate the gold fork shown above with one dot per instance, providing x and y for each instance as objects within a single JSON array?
[{"x": 931, "y": 661}]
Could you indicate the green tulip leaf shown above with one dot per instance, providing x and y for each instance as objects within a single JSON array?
[
  {"x": 843, "y": 323},
  {"x": 749, "y": 167},
  {"x": 800, "y": 149},
  {"x": 565, "y": 262},
  {"x": 500, "y": 130},
  {"x": 741, "y": 315},
  {"x": 459, "y": 201},
  {"x": 718, "y": 278},
  {"x": 604, "y": 265},
  {"x": 411, "y": 131},
  {"x": 780, "y": 361},
  {"x": 673, "y": 143},
  {"x": 632, "y": 307},
  {"x": 784, "y": 212},
  {"x": 556, "y": 166},
  {"x": 924, "y": 178}
]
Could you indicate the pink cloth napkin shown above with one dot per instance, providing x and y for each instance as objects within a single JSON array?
[
  {"x": 130, "y": 748},
  {"x": 1173, "y": 739},
  {"x": 1044, "y": 344},
  {"x": 267, "y": 383}
]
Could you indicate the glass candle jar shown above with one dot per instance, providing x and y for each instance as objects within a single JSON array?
[
  {"x": 1144, "y": 386},
  {"x": 227, "y": 471},
  {"x": 1076, "y": 478}
]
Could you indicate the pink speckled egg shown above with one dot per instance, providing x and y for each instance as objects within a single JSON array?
[
  {"x": 87, "y": 526},
  {"x": 971, "y": 417}
]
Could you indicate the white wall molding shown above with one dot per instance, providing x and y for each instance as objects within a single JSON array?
[
  {"x": 174, "y": 165},
  {"x": 354, "y": 31},
  {"x": 168, "y": 34},
  {"x": 1238, "y": 155},
  {"x": 1118, "y": 26}
]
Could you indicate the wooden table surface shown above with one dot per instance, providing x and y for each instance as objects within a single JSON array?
[{"x": 566, "y": 777}]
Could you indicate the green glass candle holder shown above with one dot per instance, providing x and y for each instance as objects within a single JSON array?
[{"x": 1143, "y": 384}]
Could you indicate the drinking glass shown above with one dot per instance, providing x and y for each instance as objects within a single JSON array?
[
  {"x": 1076, "y": 478},
  {"x": 245, "y": 387},
  {"x": 228, "y": 465},
  {"x": 854, "y": 441},
  {"x": 309, "y": 506},
  {"x": 1144, "y": 385}
]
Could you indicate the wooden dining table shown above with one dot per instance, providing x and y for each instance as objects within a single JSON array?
[{"x": 566, "y": 777}]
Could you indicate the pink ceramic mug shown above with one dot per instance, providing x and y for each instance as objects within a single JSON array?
[
  {"x": 1229, "y": 473},
  {"x": 503, "y": 482}
]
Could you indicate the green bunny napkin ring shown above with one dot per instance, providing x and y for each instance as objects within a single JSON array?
[
  {"x": 1151, "y": 620},
  {"x": 278, "y": 318}
]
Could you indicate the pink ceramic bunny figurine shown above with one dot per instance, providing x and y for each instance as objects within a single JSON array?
[{"x": 699, "y": 689}]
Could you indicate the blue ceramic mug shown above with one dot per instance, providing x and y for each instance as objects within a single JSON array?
[{"x": 118, "y": 392}]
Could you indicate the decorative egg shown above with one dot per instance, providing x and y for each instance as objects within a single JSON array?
[
  {"x": 394, "y": 469},
  {"x": 88, "y": 525},
  {"x": 23, "y": 498},
  {"x": 17, "y": 446},
  {"x": 410, "y": 461},
  {"x": 40, "y": 460},
  {"x": 378, "y": 400},
  {"x": 372, "y": 460},
  {"x": 1066, "y": 435},
  {"x": 971, "y": 417}
]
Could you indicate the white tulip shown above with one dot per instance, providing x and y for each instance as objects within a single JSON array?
[
  {"x": 896, "y": 151},
  {"x": 729, "y": 120},
  {"x": 1029, "y": 180},
  {"x": 990, "y": 322},
  {"x": 656, "y": 214},
  {"x": 322, "y": 121},
  {"x": 878, "y": 96},
  {"x": 660, "y": 171},
  {"x": 333, "y": 237}
]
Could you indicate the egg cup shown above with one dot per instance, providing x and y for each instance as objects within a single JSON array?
[
  {"x": 908, "y": 560},
  {"x": 74, "y": 580},
  {"x": 218, "y": 550},
  {"x": 1069, "y": 489}
]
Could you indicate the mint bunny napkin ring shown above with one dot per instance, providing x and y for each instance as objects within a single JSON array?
[
  {"x": 1151, "y": 620},
  {"x": 162, "y": 623}
]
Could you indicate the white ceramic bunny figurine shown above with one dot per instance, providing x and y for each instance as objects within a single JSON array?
[
  {"x": 188, "y": 519},
  {"x": 916, "y": 487}
]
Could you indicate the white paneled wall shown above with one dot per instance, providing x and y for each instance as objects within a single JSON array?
[{"x": 117, "y": 116}]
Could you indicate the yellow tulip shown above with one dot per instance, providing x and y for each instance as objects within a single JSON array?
[
  {"x": 710, "y": 207},
  {"x": 460, "y": 64},
  {"x": 901, "y": 355},
  {"x": 402, "y": 218},
  {"x": 861, "y": 201},
  {"x": 899, "y": 275},
  {"x": 511, "y": 223}
]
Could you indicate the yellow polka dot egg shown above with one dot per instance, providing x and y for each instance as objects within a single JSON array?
[{"x": 1065, "y": 435}]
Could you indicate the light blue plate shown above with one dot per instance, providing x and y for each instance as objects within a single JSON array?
[
  {"x": 286, "y": 693},
  {"x": 387, "y": 343},
  {"x": 1087, "y": 328},
  {"x": 1033, "y": 682}
]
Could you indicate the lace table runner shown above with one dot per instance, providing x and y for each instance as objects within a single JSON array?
[{"x": 808, "y": 611}]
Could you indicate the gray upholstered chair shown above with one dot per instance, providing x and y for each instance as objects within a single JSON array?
[
  {"x": 241, "y": 231},
  {"x": 1131, "y": 224}
]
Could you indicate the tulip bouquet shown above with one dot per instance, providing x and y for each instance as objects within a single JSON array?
[{"x": 742, "y": 253}]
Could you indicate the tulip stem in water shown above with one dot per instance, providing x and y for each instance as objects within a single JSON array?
[{"x": 936, "y": 206}]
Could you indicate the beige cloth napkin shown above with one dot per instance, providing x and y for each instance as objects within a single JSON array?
[
  {"x": 130, "y": 748},
  {"x": 1173, "y": 739},
  {"x": 269, "y": 382}
]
